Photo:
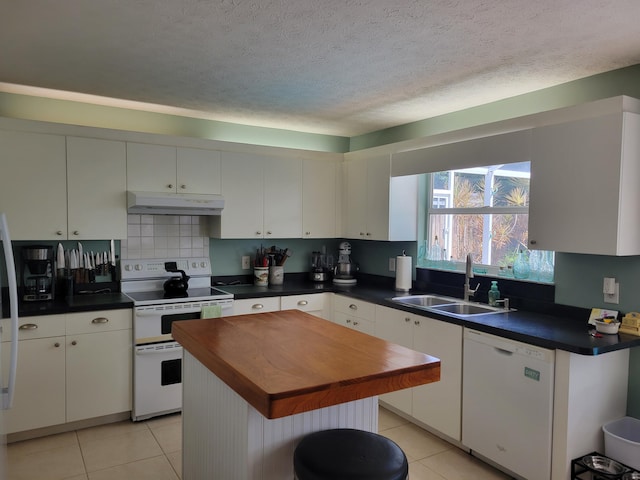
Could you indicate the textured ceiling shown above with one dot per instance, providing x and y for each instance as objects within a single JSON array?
[{"x": 340, "y": 67}]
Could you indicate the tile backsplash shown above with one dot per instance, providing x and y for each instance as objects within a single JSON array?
[{"x": 165, "y": 236}]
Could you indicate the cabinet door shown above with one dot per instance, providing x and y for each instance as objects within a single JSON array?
[
  {"x": 96, "y": 189},
  {"x": 33, "y": 185},
  {"x": 283, "y": 198},
  {"x": 242, "y": 180},
  {"x": 439, "y": 404},
  {"x": 319, "y": 195},
  {"x": 40, "y": 387},
  {"x": 99, "y": 374},
  {"x": 584, "y": 186},
  {"x": 397, "y": 327},
  {"x": 356, "y": 199},
  {"x": 377, "y": 198},
  {"x": 151, "y": 168},
  {"x": 198, "y": 171}
]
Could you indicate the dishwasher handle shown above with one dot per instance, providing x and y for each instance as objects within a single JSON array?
[{"x": 503, "y": 351}]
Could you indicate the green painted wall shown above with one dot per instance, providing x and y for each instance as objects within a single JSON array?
[{"x": 78, "y": 113}]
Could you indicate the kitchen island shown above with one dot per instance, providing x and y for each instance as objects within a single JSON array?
[{"x": 254, "y": 385}]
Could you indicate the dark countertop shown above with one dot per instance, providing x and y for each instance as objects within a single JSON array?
[
  {"x": 77, "y": 303},
  {"x": 543, "y": 330},
  {"x": 547, "y": 331}
]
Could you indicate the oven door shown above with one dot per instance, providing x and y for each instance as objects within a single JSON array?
[
  {"x": 157, "y": 379},
  {"x": 153, "y": 323}
]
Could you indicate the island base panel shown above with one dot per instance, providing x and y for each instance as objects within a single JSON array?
[{"x": 225, "y": 437}]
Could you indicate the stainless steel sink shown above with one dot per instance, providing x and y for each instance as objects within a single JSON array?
[
  {"x": 446, "y": 305},
  {"x": 424, "y": 300},
  {"x": 466, "y": 309}
]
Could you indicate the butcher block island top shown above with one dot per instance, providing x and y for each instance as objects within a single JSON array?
[{"x": 288, "y": 362}]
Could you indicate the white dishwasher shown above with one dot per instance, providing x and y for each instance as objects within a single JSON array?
[{"x": 507, "y": 403}]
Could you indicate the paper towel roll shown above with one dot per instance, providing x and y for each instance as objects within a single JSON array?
[{"x": 403, "y": 273}]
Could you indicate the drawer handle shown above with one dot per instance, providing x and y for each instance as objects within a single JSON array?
[
  {"x": 76, "y": 232},
  {"x": 353, "y": 306},
  {"x": 355, "y": 323},
  {"x": 257, "y": 306},
  {"x": 348, "y": 320},
  {"x": 416, "y": 322},
  {"x": 170, "y": 186},
  {"x": 407, "y": 319},
  {"x": 302, "y": 303},
  {"x": 58, "y": 232},
  {"x": 100, "y": 320},
  {"x": 57, "y": 344},
  {"x": 74, "y": 343},
  {"x": 28, "y": 326},
  {"x": 183, "y": 187}
]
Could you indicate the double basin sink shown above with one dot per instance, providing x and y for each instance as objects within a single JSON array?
[{"x": 446, "y": 305}]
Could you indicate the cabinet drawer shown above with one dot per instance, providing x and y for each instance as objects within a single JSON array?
[
  {"x": 92, "y": 322},
  {"x": 360, "y": 324},
  {"x": 35, "y": 327},
  {"x": 351, "y": 306},
  {"x": 306, "y": 303},
  {"x": 256, "y": 305}
]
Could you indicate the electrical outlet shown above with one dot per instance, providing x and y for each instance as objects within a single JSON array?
[
  {"x": 392, "y": 264},
  {"x": 246, "y": 262},
  {"x": 612, "y": 295}
]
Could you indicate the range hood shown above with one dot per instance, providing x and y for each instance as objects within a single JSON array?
[{"x": 152, "y": 203}]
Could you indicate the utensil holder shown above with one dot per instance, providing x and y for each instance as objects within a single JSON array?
[
  {"x": 261, "y": 276},
  {"x": 276, "y": 275}
]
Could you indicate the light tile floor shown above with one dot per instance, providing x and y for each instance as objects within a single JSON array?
[{"x": 152, "y": 450}]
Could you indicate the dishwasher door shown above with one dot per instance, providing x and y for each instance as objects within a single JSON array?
[{"x": 507, "y": 403}]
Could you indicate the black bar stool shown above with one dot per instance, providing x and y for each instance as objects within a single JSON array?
[{"x": 348, "y": 454}]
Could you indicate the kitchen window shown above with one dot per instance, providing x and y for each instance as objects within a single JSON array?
[{"x": 483, "y": 211}]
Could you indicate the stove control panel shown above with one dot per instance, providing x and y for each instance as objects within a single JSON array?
[{"x": 138, "y": 269}]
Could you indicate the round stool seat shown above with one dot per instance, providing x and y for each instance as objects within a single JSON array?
[{"x": 348, "y": 454}]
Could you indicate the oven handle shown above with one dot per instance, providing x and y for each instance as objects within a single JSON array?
[{"x": 154, "y": 352}]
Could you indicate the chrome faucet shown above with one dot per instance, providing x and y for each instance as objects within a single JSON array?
[{"x": 468, "y": 274}]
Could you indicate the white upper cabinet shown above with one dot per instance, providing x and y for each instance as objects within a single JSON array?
[
  {"x": 585, "y": 179},
  {"x": 319, "y": 198},
  {"x": 59, "y": 188},
  {"x": 96, "y": 184},
  {"x": 263, "y": 197},
  {"x": 33, "y": 185},
  {"x": 162, "y": 168},
  {"x": 379, "y": 207}
]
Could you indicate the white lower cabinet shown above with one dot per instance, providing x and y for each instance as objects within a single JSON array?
[
  {"x": 70, "y": 368},
  {"x": 99, "y": 363},
  {"x": 439, "y": 404},
  {"x": 39, "y": 399},
  {"x": 356, "y": 314}
]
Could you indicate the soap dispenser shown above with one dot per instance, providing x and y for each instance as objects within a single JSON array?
[{"x": 494, "y": 294}]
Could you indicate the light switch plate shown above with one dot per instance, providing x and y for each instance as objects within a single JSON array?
[{"x": 246, "y": 262}]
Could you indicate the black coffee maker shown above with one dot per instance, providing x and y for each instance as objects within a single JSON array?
[{"x": 37, "y": 273}]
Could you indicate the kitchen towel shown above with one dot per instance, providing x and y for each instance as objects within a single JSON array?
[
  {"x": 403, "y": 273},
  {"x": 211, "y": 311}
]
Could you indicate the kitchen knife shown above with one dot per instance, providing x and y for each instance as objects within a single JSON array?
[
  {"x": 60, "y": 260},
  {"x": 80, "y": 256},
  {"x": 113, "y": 254}
]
